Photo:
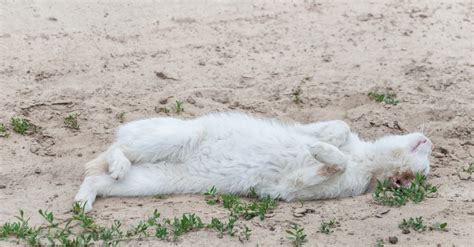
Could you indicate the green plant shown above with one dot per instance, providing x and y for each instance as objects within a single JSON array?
[
  {"x": 470, "y": 168},
  {"x": 82, "y": 230},
  {"x": 178, "y": 106},
  {"x": 211, "y": 196},
  {"x": 379, "y": 243},
  {"x": 416, "y": 224},
  {"x": 327, "y": 227},
  {"x": 161, "y": 232},
  {"x": 185, "y": 224},
  {"x": 388, "y": 98},
  {"x": 20, "y": 125},
  {"x": 439, "y": 227},
  {"x": 297, "y": 235},
  {"x": 386, "y": 195},
  {"x": 296, "y": 94},
  {"x": 246, "y": 233},
  {"x": 121, "y": 117},
  {"x": 71, "y": 121},
  {"x": 248, "y": 210},
  {"x": 163, "y": 110},
  {"x": 3, "y": 130},
  {"x": 222, "y": 227},
  {"x": 252, "y": 193}
]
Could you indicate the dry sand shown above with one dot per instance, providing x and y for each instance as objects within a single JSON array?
[{"x": 100, "y": 59}]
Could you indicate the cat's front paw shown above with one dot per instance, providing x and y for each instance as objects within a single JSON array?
[
  {"x": 86, "y": 196},
  {"x": 119, "y": 168}
]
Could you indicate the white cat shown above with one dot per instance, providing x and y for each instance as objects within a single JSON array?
[{"x": 235, "y": 152}]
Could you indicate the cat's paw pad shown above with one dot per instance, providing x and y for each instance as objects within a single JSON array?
[{"x": 119, "y": 168}]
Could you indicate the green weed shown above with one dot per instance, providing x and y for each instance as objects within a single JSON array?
[
  {"x": 470, "y": 168},
  {"x": 186, "y": 223},
  {"x": 3, "y": 130},
  {"x": 246, "y": 233},
  {"x": 379, "y": 243},
  {"x": 82, "y": 230},
  {"x": 121, "y": 117},
  {"x": 416, "y": 224},
  {"x": 388, "y": 98},
  {"x": 21, "y": 125},
  {"x": 163, "y": 110},
  {"x": 71, "y": 121},
  {"x": 439, "y": 227},
  {"x": 385, "y": 195},
  {"x": 297, "y": 235},
  {"x": 178, "y": 106},
  {"x": 296, "y": 94},
  {"x": 211, "y": 196},
  {"x": 327, "y": 227},
  {"x": 247, "y": 210},
  {"x": 222, "y": 227}
]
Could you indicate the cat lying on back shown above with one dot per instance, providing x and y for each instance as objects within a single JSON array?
[{"x": 235, "y": 152}]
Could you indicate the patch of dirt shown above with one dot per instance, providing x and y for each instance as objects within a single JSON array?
[{"x": 104, "y": 60}]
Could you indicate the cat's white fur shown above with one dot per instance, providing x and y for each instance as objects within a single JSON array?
[{"x": 235, "y": 152}]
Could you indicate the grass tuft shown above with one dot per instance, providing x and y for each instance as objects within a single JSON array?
[
  {"x": 379, "y": 243},
  {"x": 419, "y": 188},
  {"x": 296, "y": 94},
  {"x": 178, "y": 106},
  {"x": 21, "y": 125},
  {"x": 470, "y": 168},
  {"x": 71, "y": 121},
  {"x": 81, "y": 229},
  {"x": 3, "y": 130},
  {"x": 327, "y": 227},
  {"x": 416, "y": 224},
  {"x": 387, "y": 98},
  {"x": 297, "y": 235}
]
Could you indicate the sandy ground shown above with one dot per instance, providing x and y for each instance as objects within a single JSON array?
[{"x": 100, "y": 59}]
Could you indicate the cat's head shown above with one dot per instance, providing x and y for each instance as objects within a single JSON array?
[{"x": 399, "y": 157}]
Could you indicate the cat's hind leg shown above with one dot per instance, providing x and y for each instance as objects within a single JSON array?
[{"x": 142, "y": 180}]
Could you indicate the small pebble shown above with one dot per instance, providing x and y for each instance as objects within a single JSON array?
[
  {"x": 393, "y": 240},
  {"x": 191, "y": 100},
  {"x": 2, "y": 186},
  {"x": 38, "y": 171},
  {"x": 405, "y": 231},
  {"x": 464, "y": 175}
]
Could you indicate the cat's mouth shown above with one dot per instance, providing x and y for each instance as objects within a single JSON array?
[{"x": 402, "y": 179}]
